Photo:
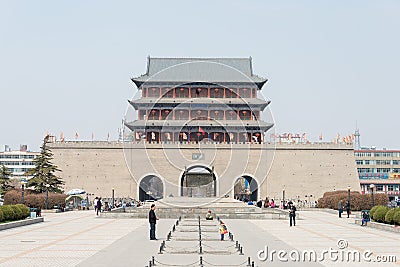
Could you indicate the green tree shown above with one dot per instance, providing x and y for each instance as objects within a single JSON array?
[
  {"x": 4, "y": 179},
  {"x": 44, "y": 170}
]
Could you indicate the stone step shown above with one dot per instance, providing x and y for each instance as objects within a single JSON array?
[{"x": 223, "y": 213}]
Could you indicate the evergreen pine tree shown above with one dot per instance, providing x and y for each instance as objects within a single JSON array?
[
  {"x": 44, "y": 170},
  {"x": 4, "y": 179}
]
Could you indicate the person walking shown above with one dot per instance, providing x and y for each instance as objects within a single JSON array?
[
  {"x": 98, "y": 206},
  {"x": 340, "y": 208},
  {"x": 95, "y": 204},
  {"x": 152, "y": 220},
  {"x": 222, "y": 230},
  {"x": 348, "y": 209},
  {"x": 292, "y": 214}
]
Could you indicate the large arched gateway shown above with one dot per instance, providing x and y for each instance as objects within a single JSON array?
[
  {"x": 151, "y": 188},
  {"x": 246, "y": 188},
  {"x": 199, "y": 181}
]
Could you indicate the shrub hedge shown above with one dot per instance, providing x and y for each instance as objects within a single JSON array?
[
  {"x": 358, "y": 201},
  {"x": 34, "y": 200},
  {"x": 380, "y": 213},
  {"x": 8, "y": 212},
  {"x": 372, "y": 211},
  {"x": 389, "y": 216},
  {"x": 13, "y": 212},
  {"x": 396, "y": 216}
]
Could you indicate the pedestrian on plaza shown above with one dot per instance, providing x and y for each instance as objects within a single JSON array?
[
  {"x": 152, "y": 220},
  {"x": 285, "y": 205},
  {"x": 340, "y": 208},
  {"x": 98, "y": 206},
  {"x": 95, "y": 204},
  {"x": 272, "y": 204},
  {"x": 222, "y": 230},
  {"x": 266, "y": 202},
  {"x": 209, "y": 216},
  {"x": 365, "y": 218},
  {"x": 292, "y": 213},
  {"x": 348, "y": 209}
]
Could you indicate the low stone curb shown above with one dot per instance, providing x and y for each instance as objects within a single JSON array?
[
  {"x": 9, "y": 225},
  {"x": 381, "y": 226}
]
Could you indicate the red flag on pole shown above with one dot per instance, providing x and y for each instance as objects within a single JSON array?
[{"x": 201, "y": 131}]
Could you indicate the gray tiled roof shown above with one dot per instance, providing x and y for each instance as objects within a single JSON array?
[
  {"x": 254, "y": 103},
  {"x": 212, "y": 70}
]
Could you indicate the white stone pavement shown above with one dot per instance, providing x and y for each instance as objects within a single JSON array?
[{"x": 80, "y": 239}]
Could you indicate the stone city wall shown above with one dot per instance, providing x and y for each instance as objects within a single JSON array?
[{"x": 297, "y": 169}]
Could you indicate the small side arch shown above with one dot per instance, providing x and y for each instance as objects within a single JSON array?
[{"x": 151, "y": 187}]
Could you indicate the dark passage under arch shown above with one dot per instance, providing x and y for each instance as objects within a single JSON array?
[
  {"x": 198, "y": 181},
  {"x": 151, "y": 188},
  {"x": 246, "y": 188}
]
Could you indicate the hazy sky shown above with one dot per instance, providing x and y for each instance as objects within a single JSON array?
[{"x": 65, "y": 66}]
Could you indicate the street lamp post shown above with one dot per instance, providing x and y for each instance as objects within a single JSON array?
[
  {"x": 283, "y": 195},
  {"x": 112, "y": 198},
  {"x": 23, "y": 182},
  {"x": 47, "y": 196},
  {"x": 372, "y": 186},
  {"x": 348, "y": 194}
]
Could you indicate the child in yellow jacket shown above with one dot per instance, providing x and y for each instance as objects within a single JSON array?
[{"x": 222, "y": 230}]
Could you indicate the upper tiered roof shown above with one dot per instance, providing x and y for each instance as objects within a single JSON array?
[{"x": 207, "y": 70}]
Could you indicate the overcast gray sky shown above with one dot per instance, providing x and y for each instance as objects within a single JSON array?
[{"x": 65, "y": 66}]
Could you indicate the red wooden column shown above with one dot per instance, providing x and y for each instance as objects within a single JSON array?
[
  {"x": 189, "y": 93},
  {"x": 174, "y": 92}
]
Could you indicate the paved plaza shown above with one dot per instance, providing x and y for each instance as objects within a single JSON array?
[{"x": 79, "y": 238}]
